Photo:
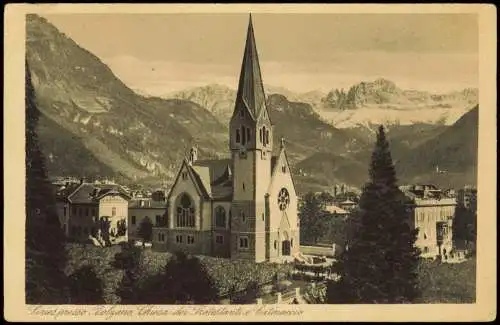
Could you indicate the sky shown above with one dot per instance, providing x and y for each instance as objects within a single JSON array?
[{"x": 162, "y": 53}]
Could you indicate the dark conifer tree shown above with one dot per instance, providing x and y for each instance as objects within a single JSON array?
[
  {"x": 381, "y": 260},
  {"x": 45, "y": 254}
]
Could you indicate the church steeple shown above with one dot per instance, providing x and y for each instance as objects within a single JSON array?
[{"x": 250, "y": 88}]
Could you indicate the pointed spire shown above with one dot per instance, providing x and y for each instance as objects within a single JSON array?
[{"x": 250, "y": 88}]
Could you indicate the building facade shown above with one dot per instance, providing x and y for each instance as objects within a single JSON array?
[
  {"x": 82, "y": 207},
  {"x": 145, "y": 208},
  {"x": 432, "y": 213},
  {"x": 244, "y": 207}
]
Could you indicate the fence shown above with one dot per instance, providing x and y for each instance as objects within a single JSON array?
[
  {"x": 285, "y": 297},
  {"x": 317, "y": 251}
]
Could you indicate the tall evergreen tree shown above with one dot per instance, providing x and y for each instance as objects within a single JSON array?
[
  {"x": 45, "y": 254},
  {"x": 381, "y": 260}
]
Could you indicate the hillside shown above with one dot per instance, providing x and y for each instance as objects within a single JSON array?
[
  {"x": 305, "y": 133},
  {"x": 219, "y": 99},
  {"x": 113, "y": 129},
  {"x": 454, "y": 151}
]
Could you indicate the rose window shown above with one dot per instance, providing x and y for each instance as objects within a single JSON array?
[{"x": 283, "y": 199}]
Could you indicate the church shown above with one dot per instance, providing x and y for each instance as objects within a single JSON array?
[{"x": 244, "y": 207}]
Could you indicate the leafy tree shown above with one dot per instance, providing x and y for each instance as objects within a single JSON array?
[
  {"x": 104, "y": 227},
  {"x": 145, "y": 230},
  {"x": 311, "y": 221},
  {"x": 128, "y": 260},
  {"x": 463, "y": 224},
  {"x": 45, "y": 254},
  {"x": 184, "y": 281},
  {"x": 85, "y": 287},
  {"x": 121, "y": 228},
  {"x": 381, "y": 260}
]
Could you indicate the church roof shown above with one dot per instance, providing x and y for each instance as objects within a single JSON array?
[
  {"x": 250, "y": 87},
  {"x": 214, "y": 177}
]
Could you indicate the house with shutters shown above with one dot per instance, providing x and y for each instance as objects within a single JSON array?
[{"x": 244, "y": 207}]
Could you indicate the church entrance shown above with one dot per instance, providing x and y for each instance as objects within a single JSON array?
[{"x": 285, "y": 248}]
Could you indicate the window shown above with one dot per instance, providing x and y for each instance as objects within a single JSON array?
[
  {"x": 238, "y": 136},
  {"x": 283, "y": 169},
  {"x": 113, "y": 211},
  {"x": 264, "y": 135},
  {"x": 242, "y": 216},
  {"x": 161, "y": 236},
  {"x": 426, "y": 249},
  {"x": 243, "y": 186},
  {"x": 243, "y": 135},
  {"x": 158, "y": 220},
  {"x": 248, "y": 134},
  {"x": 178, "y": 239},
  {"x": 86, "y": 212},
  {"x": 185, "y": 212},
  {"x": 73, "y": 211},
  {"x": 275, "y": 244},
  {"x": 184, "y": 175},
  {"x": 190, "y": 239},
  {"x": 243, "y": 242},
  {"x": 260, "y": 135},
  {"x": 291, "y": 242},
  {"x": 220, "y": 217},
  {"x": 242, "y": 112},
  {"x": 64, "y": 211},
  {"x": 219, "y": 239},
  {"x": 133, "y": 220}
]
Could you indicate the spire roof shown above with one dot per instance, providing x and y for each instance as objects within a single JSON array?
[{"x": 250, "y": 88}]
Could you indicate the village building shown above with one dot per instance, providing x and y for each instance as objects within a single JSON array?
[
  {"x": 432, "y": 213},
  {"x": 81, "y": 208},
  {"x": 336, "y": 212},
  {"x": 467, "y": 197},
  {"x": 140, "y": 209},
  {"x": 244, "y": 207}
]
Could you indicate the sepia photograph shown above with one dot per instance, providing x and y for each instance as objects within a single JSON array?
[{"x": 253, "y": 157}]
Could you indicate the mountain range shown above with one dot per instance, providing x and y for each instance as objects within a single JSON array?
[{"x": 93, "y": 124}]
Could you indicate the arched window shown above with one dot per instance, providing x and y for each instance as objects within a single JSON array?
[
  {"x": 238, "y": 136},
  {"x": 243, "y": 135},
  {"x": 185, "y": 212},
  {"x": 264, "y": 135},
  {"x": 220, "y": 217},
  {"x": 267, "y": 137},
  {"x": 260, "y": 135}
]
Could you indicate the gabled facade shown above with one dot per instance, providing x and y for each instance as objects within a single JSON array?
[
  {"x": 81, "y": 208},
  {"x": 244, "y": 207}
]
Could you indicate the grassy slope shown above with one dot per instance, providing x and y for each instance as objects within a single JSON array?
[{"x": 448, "y": 283}]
